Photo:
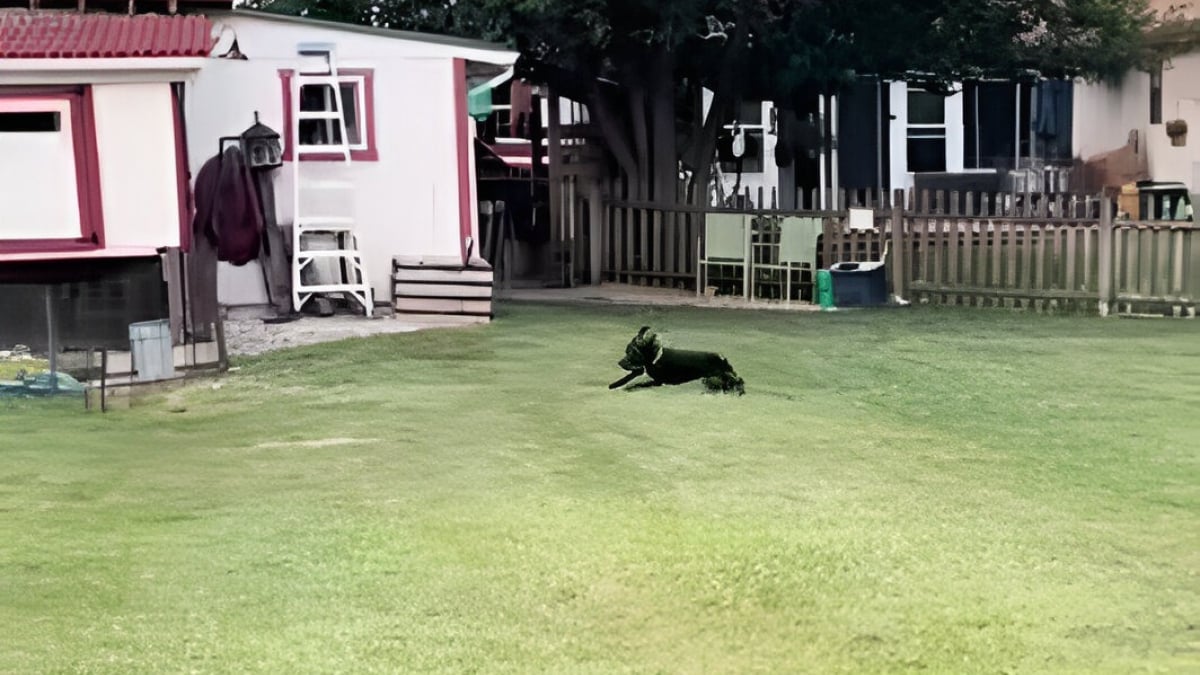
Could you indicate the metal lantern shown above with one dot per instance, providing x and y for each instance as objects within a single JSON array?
[{"x": 262, "y": 147}]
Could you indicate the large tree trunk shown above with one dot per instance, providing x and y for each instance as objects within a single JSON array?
[
  {"x": 664, "y": 179},
  {"x": 641, "y": 137},
  {"x": 724, "y": 94},
  {"x": 603, "y": 110}
]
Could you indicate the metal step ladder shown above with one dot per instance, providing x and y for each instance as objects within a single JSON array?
[{"x": 312, "y": 226}]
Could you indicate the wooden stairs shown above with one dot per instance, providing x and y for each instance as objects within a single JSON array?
[{"x": 442, "y": 286}]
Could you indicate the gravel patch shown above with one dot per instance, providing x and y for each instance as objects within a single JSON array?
[{"x": 247, "y": 334}]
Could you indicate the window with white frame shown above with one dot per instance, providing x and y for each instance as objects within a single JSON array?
[
  {"x": 320, "y": 98},
  {"x": 926, "y": 131},
  {"x": 356, "y": 89}
]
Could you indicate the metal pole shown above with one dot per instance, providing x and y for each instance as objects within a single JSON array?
[
  {"x": 52, "y": 339},
  {"x": 1104, "y": 277},
  {"x": 978, "y": 158},
  {"x": 833, "y": 153},
  {"x": 879, "y": 138},
  {"x": 1017, "y": 131},
  {"x": 897, "y": 261},
  {"x": 821, "y": 172}
]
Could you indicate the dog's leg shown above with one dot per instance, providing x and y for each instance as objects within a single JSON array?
[
  {"x": 627, "y": 379},
  {"x": 644, "y": 385}
]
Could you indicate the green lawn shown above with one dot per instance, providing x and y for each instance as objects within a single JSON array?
[{"x": 923, "y": 489}]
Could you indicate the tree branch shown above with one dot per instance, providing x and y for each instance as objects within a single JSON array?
[{"x": 616, "y": 138}]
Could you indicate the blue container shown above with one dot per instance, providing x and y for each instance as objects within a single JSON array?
[{"x": 859, "y": 284}]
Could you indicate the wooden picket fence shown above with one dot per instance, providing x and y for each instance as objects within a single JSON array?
[
  {"x": 1044, "y": 258},
  {"x": 931, "y": 202}
]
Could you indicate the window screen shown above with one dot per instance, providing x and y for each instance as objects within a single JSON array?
[{"x": 316, "y": 98}]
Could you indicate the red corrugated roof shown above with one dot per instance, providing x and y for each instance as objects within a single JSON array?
[{"x": 69, "y": 35}]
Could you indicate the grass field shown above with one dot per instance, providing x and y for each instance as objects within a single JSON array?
[{"x": 937, "y": 490}]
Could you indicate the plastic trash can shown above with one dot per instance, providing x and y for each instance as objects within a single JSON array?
[
  {"x": 150, "y": 344},
  {"x": 825, "y": 289},
  {"x": 859, "y": 284}
]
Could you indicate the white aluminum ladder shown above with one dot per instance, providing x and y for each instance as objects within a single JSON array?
[{"x": 349, "y": 269}]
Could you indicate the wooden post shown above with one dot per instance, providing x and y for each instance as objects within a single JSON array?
[
  {"x": 748, "y": 253},
  {"x": 1104, "y": 279},
  {"x": 558, "y": 241},
  {"x": 656, "y": 243},
  {"x": 597, "y": 229},
  {"x": 222, "y": 348},
  {"x": 631, "y": 243},
  {"x": 173, "y": 276},
  {"x": 52, "y": 334},
  {"x": 897, "y": 246}
]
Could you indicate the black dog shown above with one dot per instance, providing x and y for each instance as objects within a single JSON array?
[{"x": 645, "y": 354}]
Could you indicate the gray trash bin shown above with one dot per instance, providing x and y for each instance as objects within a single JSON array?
[{"x": 150, "y": 343}]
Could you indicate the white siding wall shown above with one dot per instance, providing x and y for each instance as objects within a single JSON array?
[
  {"x": 1181, "y": 100},
  {"x": 135, "y": 138},
  {"x": 406, "y": 203},
  {"x": 899, "y": 174},
  {"x": 1105, "y": 114}
]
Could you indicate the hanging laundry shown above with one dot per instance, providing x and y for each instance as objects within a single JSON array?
[{"x": 227, "y": 209}]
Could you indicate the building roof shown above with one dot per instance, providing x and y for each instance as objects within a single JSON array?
[
  {"x": 430, "y": 38},
  {"x": 71, "y": 35}
]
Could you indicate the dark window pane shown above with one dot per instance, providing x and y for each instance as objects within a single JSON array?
[
  {"x": 926, "y": 154},
  {"x": 316, "y": 97},
  {"x": 1156, "y": 95},
  {"x": 745, "y": 112},
  {"x": 16, "y": 122},
  {"x": 350, "y": 102},
  {"x": 925, "y": 108},
  {"x": 750, "y": 112},
  {"x": 319, "y": 132},
  {"x": 752, "y": 161}
]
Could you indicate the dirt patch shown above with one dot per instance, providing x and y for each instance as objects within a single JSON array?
[{"x": 315, "y": 443}]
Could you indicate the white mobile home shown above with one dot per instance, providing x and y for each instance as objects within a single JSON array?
[
  {"x": 93, "y": 180},
  {"x": 107, "y": 118},
  {"x": 411, "y": 139}
]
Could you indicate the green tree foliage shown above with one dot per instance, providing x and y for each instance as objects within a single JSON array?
[{"x": 662, "y": 52}]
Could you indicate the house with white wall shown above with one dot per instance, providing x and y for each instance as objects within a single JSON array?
[
  {"x": 93, "y": 175},
  {"x": 1133, "y": 115},
  {"x": 412, "y": 140},
  {"x": 876, "y": 136},
  {"x": 106, "y": 118}
]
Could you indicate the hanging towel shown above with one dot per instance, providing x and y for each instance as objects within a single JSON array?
[{"x": 227, "y": 209}]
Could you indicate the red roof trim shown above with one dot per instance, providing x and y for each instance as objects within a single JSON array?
[
  {"x": 61, "y": 35},
  {"x": 87, "y": 175}
]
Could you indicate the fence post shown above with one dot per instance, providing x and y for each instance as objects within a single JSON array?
[
  {"x": 597, "y": 231},
  {"x": 1104, "y": 274},
  {"x": 897, "y": 247}
]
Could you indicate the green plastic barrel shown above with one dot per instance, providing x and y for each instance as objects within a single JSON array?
[{"x": 825, "y": 289}]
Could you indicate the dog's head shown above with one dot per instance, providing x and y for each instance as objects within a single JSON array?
[{"x": 641, "y": 351}]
